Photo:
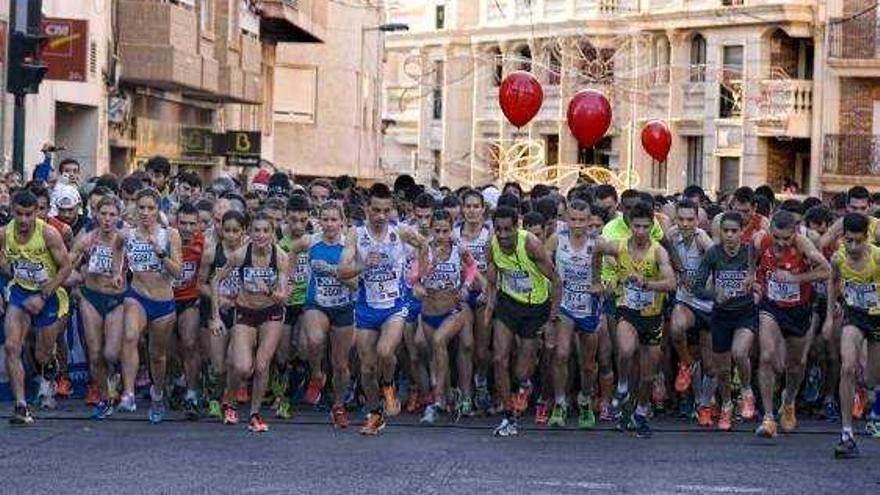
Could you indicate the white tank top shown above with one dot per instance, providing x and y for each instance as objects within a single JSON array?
[
  {"x": 140, "y": 253},
  {"x": 575, "y": 269},
  {"x": 382, "y": 285},
  {"x": 690, "y": 256},
  {"x": 445, "y": 274},
  {"x": 478, "y": 247}
]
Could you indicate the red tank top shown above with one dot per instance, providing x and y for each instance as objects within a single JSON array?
[
  {"x": 784, "y": 295},
  {"x": 186, "y": 286},
  {"x": 753, "y": 226}
]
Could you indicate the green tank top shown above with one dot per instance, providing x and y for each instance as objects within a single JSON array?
[
  {"x": 520, "y": 277},
  {"x": 299, "y": 273}
]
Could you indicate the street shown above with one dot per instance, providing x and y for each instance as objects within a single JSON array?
[{"x": 127, "y": 454}]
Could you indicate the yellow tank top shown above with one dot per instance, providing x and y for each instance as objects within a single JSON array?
[
  {"x": 32, "y": 263},
  {"x": 861, "y": 289},
  {"x": 520, "y": 277},
  {"x": 647, "y": 302}
]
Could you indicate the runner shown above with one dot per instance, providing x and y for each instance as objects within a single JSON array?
[
  {"x": 154, "y": 258},
  {"x": 232, "y": 233},
  {"x": 443, "y": 289},
  {"x": 788, "y": 264},
  {"x": 644, "y": 275},
  {"x": 375, "y": 251},
  {"x": 743, "y": 202},
  {"x": 186, "y": 297},
  {"x": 259, "y": 316},
  {"x": 417, "y": 352},
  {"x": 530, "y": 297},
  {"x": 725, "y": 276},
  {"x": 856, "y": 279},
  {"x": 102, "y": 287},
  {"x": 580, "y": 309}
]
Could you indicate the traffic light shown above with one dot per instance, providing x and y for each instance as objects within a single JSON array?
[{"x": 25, "y": 70}]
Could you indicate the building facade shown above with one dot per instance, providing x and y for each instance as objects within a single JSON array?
[{"x": 733, "y": 80}]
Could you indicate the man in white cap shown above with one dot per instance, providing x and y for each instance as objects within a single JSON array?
[{"x": 66, "y": 207}]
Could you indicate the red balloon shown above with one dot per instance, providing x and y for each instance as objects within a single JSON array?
[
  {"x": 656, "y": 139},
  {"x": 589, "y": 116},
  {"x": 520, "y": 97}
]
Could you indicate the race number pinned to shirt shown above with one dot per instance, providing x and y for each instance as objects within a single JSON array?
[
  {"x": 518, "y": 282},
  {"x": 187, "y": 273},
  {"x": 861, "y": 296},
  {"x": 101, "y": 261},
  {"x": 785, "y": 292},
  {"x": 577, "y": 299},
  {"x": 635, "y": 297},
  {"x": 142, "y": 257},
  {"x": 30, "y": 271}
]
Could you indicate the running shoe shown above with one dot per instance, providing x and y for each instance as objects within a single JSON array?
[
  {"x": 313, "y": 392},
  {"x": 127, "y": 404},
  {"x": 559, "y": 416},
  {"x": 641, "y": 426},
  {"x": 214, "y": 409},
  {"x": 157, "y": 411},
  {"x": 872, "y": 428},
  {"x": 725, "y": 422},
  {"x": 392, "y": 404},
  {"x": 860, "y": 403},
  {"x": 230, "y": 414},
  {"x": 541, "y": 414},
  {"x": 102, "y": 410},
  {"x": 507, "y": 428},
  {"x": 812, "y": 385},
  {"x": 520, "y": 400},
  {"x": 465, "y": 407},
  {"x": 46, "y": 394},
  {"x": 374, "y": 425},
  {"x": 242, "y": 396},
  {"x": 788, "y": 420},
  {"x": 93, "y": 396},
  {"x": 767, "y": 429},
  {"x": 413, "y": 401},
  {"x": 256, "y": 424},
  {"x": 605, "y": 411},
  {"x": 747, "y": 405},
  {"x": 704, "y": 416},
  {"x": 63, "y": 387},
  {"x": 846, "y": 449},
  {"x": 482, "y": 398},
  {"x": 586, "y": 418},
  {"x": 431, "y": 414},
  {"x": 618, "y": 402},
  {"x": 283, "y": 409},
  {"x": 191, "y": 409},
  {"x": 684, "y": 377},
  {"x": 339, "y": 417},
  {"x": 831, "y": 410},
  {"x": 21, "y": 416}
]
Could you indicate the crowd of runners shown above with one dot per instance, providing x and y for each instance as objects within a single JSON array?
[{"x": 562, "y": 308}]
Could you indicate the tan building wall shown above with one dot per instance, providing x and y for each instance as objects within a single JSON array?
[{"x": 326, "y": 119}]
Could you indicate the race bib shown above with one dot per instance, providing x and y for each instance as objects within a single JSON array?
[
  {"x": 785, "y": 292},
  {"x": 577, "y": 300},
  {"x": 382, "y": 287},
  {"x": 187, "y": 272},
  {"x": 300, "y": 273},
  {"x": 637, "y": 298},
  {"x": 101, "y": 261},
  {"x": 230, "y": 285},
  {"x": 330, "y": 294},
  {"x": 862, "y": 296},
  {"x": 142, "y": 257},
  {"x": 252, "y": 277},
  {"x": 518, "y": 282},
  {"x": 30, "y": 271},
  {"x": 731, "y": 283}
]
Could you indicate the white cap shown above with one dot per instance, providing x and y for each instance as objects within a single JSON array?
[
  {"x": 66, "y": 196},
  {"x": 490, "y": 196}
]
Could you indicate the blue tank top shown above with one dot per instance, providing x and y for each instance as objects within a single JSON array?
[{"x": 324, "y": 289}]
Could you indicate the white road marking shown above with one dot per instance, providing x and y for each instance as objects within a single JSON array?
[{"x": 718, "y": 489}]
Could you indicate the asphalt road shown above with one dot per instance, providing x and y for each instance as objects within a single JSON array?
[{"x": 125, "y": 454}]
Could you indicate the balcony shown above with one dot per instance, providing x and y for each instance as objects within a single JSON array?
[
  {"x": 784, "y": 108},
  {"x": 158, "y": 44},
  {"x": 297, "y": 21},
  {"x": 854, "y": 46},
  {"x": 850, "y": 159}
]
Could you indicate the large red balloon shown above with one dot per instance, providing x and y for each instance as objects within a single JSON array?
[
  {"x": 656, "y": 139},
  {"x": 520, "y": 97},
  {"x": 589, "y": 116}
]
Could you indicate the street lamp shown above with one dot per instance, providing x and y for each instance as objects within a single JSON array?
[{"x": 391, "y": 27}]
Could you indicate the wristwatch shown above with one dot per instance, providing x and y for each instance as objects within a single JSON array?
[{"x": 161, "y": 255}]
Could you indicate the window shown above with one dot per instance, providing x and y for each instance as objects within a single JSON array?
[
  {"x": 698, "y": 58},
  {"x": 729, "y": 174},
  {"x": 658, "y": 175},
  {"x": 297, "y": 103},
  {"x": 497, "y": 67},
  {"x": 695, "y": 160},
  {"x": 438, "y": 164},
  {"x": 437, "y": 92},
  {"x": 206, "y": 17},
  {"x": 440, "y": 17},
  {"x": 524, "y": 59},
  {"x": 600, "y": 154},
  {"x": 554, "y": 67},
  {"x": 662, "y": 56},
  {"x": 730, "y": 84}
]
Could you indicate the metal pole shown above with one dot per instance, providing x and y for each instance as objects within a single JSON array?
[{"x": 18, "y": 136}]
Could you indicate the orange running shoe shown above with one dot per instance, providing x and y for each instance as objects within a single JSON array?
[
  {"x": 704, "y": 416},
  {"x": 747, "y": 405},
  {"x": 374, "y": 425},
  {"x": 257, "y": 425},
  {"x": 860, "y": 400},
  {"x": 93, "y": 396},
  {"x": 767, "y": 428},
  {"x": 392, "y": 404},
  {"x": 230, "y": 415},
  {"x": 339, "y": 417},
  {"x": 788, "y": 421},
  {"x": 725, "y": 422},
  {"x": 242, "y": 396},
  {"x": 63, "y": 387},
  {"x": 683, "y": 378},
  {"x": 313, "y": 392}
]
